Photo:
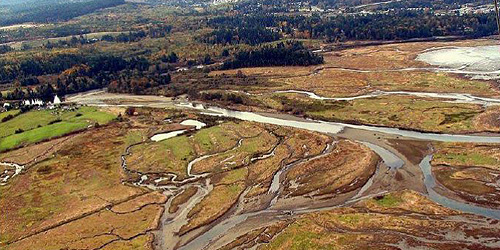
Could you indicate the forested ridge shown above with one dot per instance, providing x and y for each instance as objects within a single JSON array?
[
  {"x": 75, "y": 73},
  {"x": 395, "y": 25},
  {"x": 53, "y": 12}
]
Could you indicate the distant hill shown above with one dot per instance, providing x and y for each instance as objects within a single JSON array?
[
  {"x": 44, "y": 11},
  {"x": 37, "y": 2},
  {"x": 439, "y": 4}
]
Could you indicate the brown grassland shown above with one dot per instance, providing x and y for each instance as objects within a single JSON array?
[
  {"x": 470, "y": 171},
  {"x": 403, "y": 219},
  {"x": 361, "y": 70}
]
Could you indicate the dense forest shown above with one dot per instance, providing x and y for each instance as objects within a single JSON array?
[
  {"x": 290, "y": 53},
  {"x": 137, "y": 84},
  {"x": 395, "y": 25},
  {"x": 36, "y": 66},
  {"x": 400, "y": 26},
  {"x": 76, "y": 73},
  {"x": 5, "y": 48},
  {"x": 251, "y": 35}
]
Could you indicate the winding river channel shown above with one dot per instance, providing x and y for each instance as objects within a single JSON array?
[
  {"x": 430, "y": 183},
  {"x": 389, "y": 158},
  {"x": 452, "y": 97},
  {"x": 336, "y": 127}
]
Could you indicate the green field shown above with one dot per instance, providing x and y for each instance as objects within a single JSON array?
[
  {"x": 44, "y": 124},
  {"x": 10, "y": 112},
  {"x": 388, "y": 200}
]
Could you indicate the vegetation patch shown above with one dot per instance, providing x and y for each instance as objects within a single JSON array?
[
  {"x": 8, "y": 115},
  {"x": 173, "y": 154},
  {"x": 470, "y": 170},
  {"x": 367, "y": 227},
  {"x": 42, "y": 197},
  {"x": 238, "y": 156},
  {"x": 388, "y": 200},
  {"x": 36, "y": 126},
  {"x": 182, "y": 198},
  {"x": 344, "y": 169},
  {"x": 467, "y": 154},
  {"x": 214, "y": 205},
  {"x": 406, "y": 112}
]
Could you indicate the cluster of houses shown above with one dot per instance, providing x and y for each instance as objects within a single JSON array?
[{"x": 32, "y": 102}]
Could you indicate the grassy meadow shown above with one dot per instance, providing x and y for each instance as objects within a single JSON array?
[{"x": 38, "y": 125}]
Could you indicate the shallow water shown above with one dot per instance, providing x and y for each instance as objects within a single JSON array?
[
  {"x": 191, "y": 163},
  {"x": 453, "y": 97},
  {"x": 428, "y": 136},
  {"x": 276, "y": 182},
  {"x": 479, "y": 58},
  {"x": 319, "y": 126},
  {"x": 430, "y": 183},
  {"x": 483, "y": 61},
  {"x": 249, "y": 116},
  {"x": 171, "y": 225},
  {"x": 390, "y": 159},
  {"x": 18, "y": 170},
  {"x": 197, "y": 124},
  {"x": 164, "y": 136},
  {"x": 218, "y": 230},
  {"x": 335, "y": 128}
]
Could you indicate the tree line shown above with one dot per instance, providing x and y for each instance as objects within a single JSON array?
[
  {"x": 75, "y": 74},
  {"x": 290, "y": 53},
  {"x": 57, "y": 63},
  {"x": 5, "y": 48},
  {"x": 247, "y": 35},
  {"x": 125, "y": 37},
  {"x": 393, "y": 25},
  {"x": 400, "y": 25},
  {"x": 133, "y": 36},
  {"x": 138, "y": 83}
]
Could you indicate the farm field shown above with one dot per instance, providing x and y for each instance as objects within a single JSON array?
[{"x": 36, "y": 126}]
